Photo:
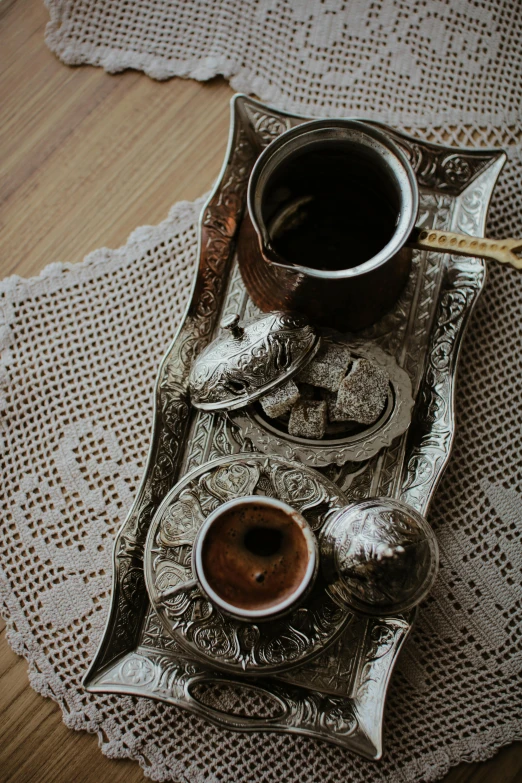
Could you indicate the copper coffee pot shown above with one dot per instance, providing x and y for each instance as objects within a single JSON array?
[{"x": 331, "y": 224}]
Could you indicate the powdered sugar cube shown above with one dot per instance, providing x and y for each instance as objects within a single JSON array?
[
  {"x": 363, "y": 393},
  {"x": 308, "y": 419},
  {"x": 280, "y": 400},
  {"x": 328, "y": 368}
]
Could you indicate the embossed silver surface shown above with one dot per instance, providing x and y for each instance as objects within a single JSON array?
[
  {"x": 379, "y": 556},
  {"x": 339, "y": 695},
  {"x": 271, "y": 437},
  {"x": 250, "y": 359}
]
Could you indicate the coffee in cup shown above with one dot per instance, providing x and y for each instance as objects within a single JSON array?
[{"x": 255, "y": 557}]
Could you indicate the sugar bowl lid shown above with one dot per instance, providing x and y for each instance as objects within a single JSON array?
[
  {"x": 379, "y": 556},
  {"x": 250, "y": 359}
]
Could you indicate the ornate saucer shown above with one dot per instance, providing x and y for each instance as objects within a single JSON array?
[{"x": 189, "y": 617}]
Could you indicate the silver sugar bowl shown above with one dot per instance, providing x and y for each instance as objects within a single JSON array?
[{"x": 379, "y": 556}]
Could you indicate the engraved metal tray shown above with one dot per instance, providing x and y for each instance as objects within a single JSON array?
[{"x": 339, "y": 695}]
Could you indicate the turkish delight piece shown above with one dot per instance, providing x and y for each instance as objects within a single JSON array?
[
  {"x": 327, "y": 368},
  {"x": 308, "y": 419},
  {"x": 280, "y": 400},
  {"x": 363, "y": 393}
]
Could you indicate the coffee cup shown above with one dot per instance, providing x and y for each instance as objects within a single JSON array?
[{"x": 255, "y": 558}]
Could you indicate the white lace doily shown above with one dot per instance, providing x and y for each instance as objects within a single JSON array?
[
  {"x": 430, "y": 62},
  {"x": 81, "y": 344}
]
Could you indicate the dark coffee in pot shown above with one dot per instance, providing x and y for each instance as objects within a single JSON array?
[
  {"x": 330, "y": 208},
  {"x": 331, "y": 205}
]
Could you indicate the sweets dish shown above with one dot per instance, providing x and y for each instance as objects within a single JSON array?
[
  {"x": 334, "y": 387},
  {"x": 376, "y": 406},
  {"x": 300, "y": 392}
]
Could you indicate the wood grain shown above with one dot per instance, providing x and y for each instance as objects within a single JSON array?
[{"x": 84, "y": 159}]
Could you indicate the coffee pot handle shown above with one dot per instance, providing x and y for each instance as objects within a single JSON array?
[{"x": 503, "y": 250}]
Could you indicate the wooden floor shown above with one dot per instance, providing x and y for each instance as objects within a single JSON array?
[{"x": 84, "y": 159}]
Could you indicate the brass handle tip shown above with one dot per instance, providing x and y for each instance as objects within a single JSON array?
[{"x": 505, "y": 250}]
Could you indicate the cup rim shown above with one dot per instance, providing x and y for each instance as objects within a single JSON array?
[
  {"x": 281, "y": 607},
  {"x": 373, "y": 137}
]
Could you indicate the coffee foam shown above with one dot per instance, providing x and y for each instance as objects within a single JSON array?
[{"x": 255, "y": 556}]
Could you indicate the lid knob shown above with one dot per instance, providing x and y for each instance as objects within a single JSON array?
[{"x": 231, "y": 322}]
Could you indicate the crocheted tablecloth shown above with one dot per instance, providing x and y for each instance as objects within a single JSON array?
[{"x": 81, "y": 344}]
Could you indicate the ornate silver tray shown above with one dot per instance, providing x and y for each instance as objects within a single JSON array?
[{"x": 339, "y": 694}]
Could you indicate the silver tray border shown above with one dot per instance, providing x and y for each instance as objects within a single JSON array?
[{"x": 121, "y": 665}]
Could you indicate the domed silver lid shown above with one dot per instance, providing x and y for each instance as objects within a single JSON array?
[
  {"x": 250, "y": 359},
  {"x": 379, "y": 556}
]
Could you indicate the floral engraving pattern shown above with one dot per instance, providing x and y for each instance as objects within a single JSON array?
[
  {"x": 267, "y": 126},
  {"x": 335, "y": 670},
  {"x": 434, "y": 420},
  {"x": 437, "y": 169}
]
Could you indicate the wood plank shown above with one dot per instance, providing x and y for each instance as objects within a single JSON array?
[
  {"x": 85, "y": 158},
  {"x": 36, "y": 747},
  {"x": 88, "y": 157}
]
